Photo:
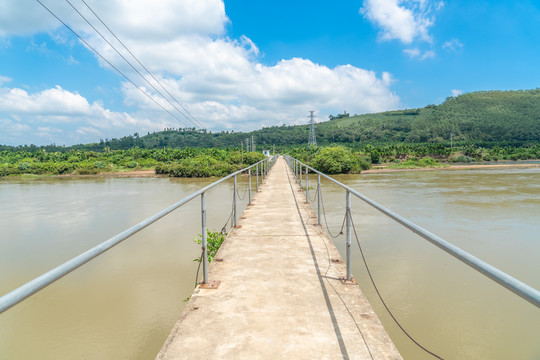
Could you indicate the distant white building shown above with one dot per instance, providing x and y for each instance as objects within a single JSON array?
[{"x": 266, "y": 153}]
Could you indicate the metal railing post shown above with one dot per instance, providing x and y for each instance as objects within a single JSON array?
[
  {"x": 204, "y": 240},
  {"x": 300, "y": 172},
  {"x": 318, "y": 199},
  {"x": 249, "y": 187},
  {"x": 234, "y": 202},
  {"x": 348, "y": 214},
  {"x": 257, "y": 172},
  {"x": 307, "y": 185}
]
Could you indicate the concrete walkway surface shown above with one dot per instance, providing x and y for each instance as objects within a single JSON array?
[{"x": 280, "y": 295}]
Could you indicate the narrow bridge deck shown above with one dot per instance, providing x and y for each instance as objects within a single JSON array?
[{"x": 280, "y": 296}]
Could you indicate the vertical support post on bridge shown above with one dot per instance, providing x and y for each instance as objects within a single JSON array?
[
  {"x": 300, "y": 173},
  {"x": 249, "y": 186},
  {"x": 318, "y": 199},
  {"x": 204, "y": 239},
  {"x": 348, "y": 224},
  {"x": 257, "y": 172},
  {"x": 307, "y": 185},
  {"x": 234, "y": 203}
]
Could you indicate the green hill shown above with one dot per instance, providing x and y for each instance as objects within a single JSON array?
[
  {"x": 487, "y": 116},
  {"x": 508, "y": 117}
]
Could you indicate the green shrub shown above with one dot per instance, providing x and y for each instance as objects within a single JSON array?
[
  {"x": 23, "y": 166},
  {"x": 214, "y": 239},
  {"x": 338, "y": 160}
]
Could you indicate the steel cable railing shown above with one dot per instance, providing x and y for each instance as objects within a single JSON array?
[
  {"x": 14, "y": 297},
  {"x": 521, "y": 289}
]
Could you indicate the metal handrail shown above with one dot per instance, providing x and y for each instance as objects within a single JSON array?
[
  {"x": 521, "y": 289},
  {"x": 19, "y": 294}
]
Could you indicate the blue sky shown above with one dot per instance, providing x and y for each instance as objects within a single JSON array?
[{"x": 240, "y": 65}]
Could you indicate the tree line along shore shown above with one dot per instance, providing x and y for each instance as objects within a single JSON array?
[{"x": 196, "y": 162}]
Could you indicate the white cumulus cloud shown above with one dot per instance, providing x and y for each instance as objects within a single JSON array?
[
  {"x": 403, "y": 20},
  {"x": 60, "y": 116}
]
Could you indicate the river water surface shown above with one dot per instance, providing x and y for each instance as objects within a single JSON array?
[{"x": 123, "y": 304}]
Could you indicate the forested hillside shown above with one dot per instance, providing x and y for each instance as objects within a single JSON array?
[
  {"x": 490, "y": 116},
  {"x": 485, "y": 118},
  {"x": 498, "y": 117}
]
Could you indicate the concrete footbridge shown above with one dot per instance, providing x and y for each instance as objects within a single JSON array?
[{"x": 282, "y": 291}]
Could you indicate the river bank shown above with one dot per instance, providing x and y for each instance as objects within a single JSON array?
[
  {"x": 476, "y": 166},
  {"x": 149, "y": 173}
]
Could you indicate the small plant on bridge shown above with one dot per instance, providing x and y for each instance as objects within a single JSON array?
[{"x": 214, "y": 239}]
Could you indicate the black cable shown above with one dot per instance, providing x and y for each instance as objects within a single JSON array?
[
  {"x": 144, "y": 67},
  {"x": 126, "y": 60},
  {"x": 245, "y": 192},
  {"x": 198, "y": 268},
  {"x": 224, "y": 227},
  {"x": 380, "y": 297},
  {"x": 316, "y": 192},
  {"x": 108, "y": 62},
  {"x": 326, "y": 221}
]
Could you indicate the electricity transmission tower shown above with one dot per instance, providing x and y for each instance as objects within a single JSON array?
[{"x": 312, "y": 139}]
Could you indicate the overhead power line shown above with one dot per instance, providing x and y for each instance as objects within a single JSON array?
[
  {"x": 193, "y": 118},
  {"x": 128, "y": 62},
  {"x": 109, "y": 63}
]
